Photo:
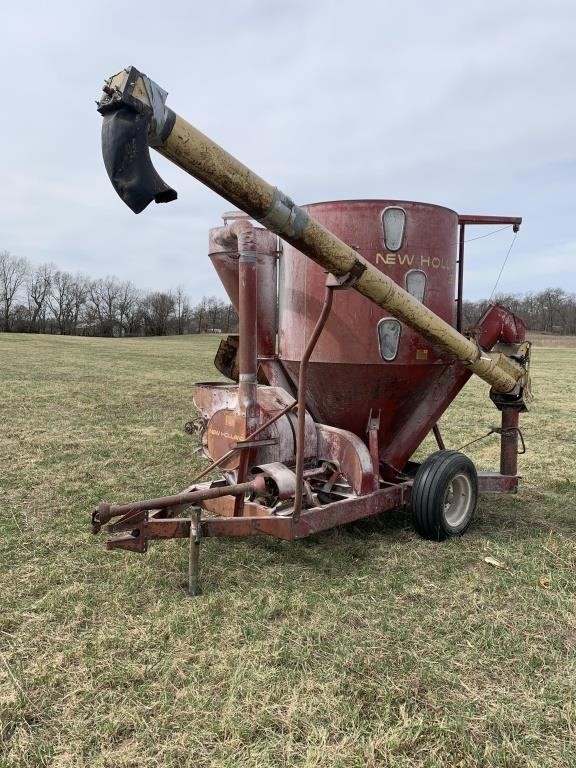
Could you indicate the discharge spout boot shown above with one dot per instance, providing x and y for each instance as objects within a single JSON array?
[
  {"x": 197, "y": 154},
  {"x": 125, "y": 144}
]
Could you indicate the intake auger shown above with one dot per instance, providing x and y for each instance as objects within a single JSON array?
[{"x": 349, "y": 350}]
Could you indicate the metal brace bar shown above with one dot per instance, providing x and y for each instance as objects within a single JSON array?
[{"x": 194, "y": 554}]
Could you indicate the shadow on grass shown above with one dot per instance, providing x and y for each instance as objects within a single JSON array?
[{"x": 512, "y": 520}]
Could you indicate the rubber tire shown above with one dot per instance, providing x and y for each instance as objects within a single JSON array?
[{"x": 429, "y": 489}]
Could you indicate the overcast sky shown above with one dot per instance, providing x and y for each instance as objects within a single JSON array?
[{"x": 468, "y": 105}]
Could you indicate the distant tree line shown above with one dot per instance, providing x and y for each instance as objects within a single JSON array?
[
  {"x": 549, "y": 311},
  {"x": 44, "y": 299}
]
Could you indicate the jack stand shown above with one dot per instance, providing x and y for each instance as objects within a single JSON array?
[{"x": 194, "y": 554}]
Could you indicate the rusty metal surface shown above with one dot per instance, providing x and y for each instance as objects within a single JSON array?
[
  {"x": 226, "y": 360},
  {"x": 429, "y": 245},
  {"x": 346, "y": 377},
  {"x": 248, "y": 324},
  {"x": 219, "y": 461},
  {"x": 460, "y": 280},
  {"x": 342, "y": 512},
  {"x": 302, "y": 394},
  {"x": 271, "y": 368},
  {"x": 224, "y": 258},
  {"x": 372, "y": 429},
  {"x": 284, "y": 479},
  {"x": 465, "y": 218},
  {"x": 179, "y": 528},
  {"x": 409, "y": 426},
  {"x": 349, "y": 453},
  {"x": 411, "y": 397},
  {"x": 145, "y": 527},
  {"x": 509, "y": 442},
  {"x": 438, "y": 437},
  {"x": 499, "y": 324},
  {"x": 225, "y": 427},
  {"x": 224, "y": 507},
  {"x": 492, "y": 482},
  {"x": 281, "y": 527},
  {"x": 311, "y": 521},
  {"x": 106, "y": 512},
  {"x": 210, "y": 397}
]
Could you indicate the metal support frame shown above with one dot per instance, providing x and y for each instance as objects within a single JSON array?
[
  {"x": 333, "y": 283},
  {"x": 301, "y": 424},
  {"x": 515, "y": 221},
  {"x": 310, "y": 521},
  {"x": 509, "y": 441},
  {"x": 438, "y": 437},
  {"x": 459, "y": 298},
  {"x": 372, "y": 430},
  {"x": 195, "y": 537}
]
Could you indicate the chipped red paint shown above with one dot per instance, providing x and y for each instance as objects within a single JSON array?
[
  {"x": 224, "y": 257},
  {"x": 347, "y": 377},
  {"x": 509, "y": 442}
]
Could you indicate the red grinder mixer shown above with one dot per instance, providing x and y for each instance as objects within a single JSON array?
[{"x": 350, "y": 348}]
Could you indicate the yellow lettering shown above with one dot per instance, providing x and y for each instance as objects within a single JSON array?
[
  {"x": 424, "y": 260},
  {"x": 219, "y": 433},
  {"x": 403, "y": 258},
  {"x": 436, "y": 262}
]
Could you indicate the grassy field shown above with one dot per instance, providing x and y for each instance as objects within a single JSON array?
[
  {"x": 364, "y": 646},
  {"x": 550, "y": 340}
]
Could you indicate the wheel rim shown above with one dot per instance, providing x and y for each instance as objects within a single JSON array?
[{"x": 457, "y": 500}]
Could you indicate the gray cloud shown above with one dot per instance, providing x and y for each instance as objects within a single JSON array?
[{"x": 463, "y": 105}]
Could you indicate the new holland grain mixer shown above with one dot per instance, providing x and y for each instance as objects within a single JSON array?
[{"x": 349, "y": 351}]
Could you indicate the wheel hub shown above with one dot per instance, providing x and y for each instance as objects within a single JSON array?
[{"x": 457, "y": 500}]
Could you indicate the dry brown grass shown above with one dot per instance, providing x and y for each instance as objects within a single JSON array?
[
  {"x": 364, "y": 646},
  {"x": 549, "y": 340}
]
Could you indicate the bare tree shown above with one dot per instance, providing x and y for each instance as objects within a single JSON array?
[
  {"x": 13, "y": 272},
  {"x": 158, "y": 308},
  {"x": 553, "y": 303},
  {"x": 38, "y": 286},
  {"x": 127, "y": 307},
  {"x": 231, "y": 317},
  {"x": 216, "y": 313},
  {"x": 199, "y": 314},
  {"x": 61, "y": 301},
  {"x": 182, "y": 309},
  {"x": 79, "y": 289},
  {"x": 105, "y": 296}
]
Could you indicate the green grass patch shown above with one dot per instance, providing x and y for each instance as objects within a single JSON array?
[{"x": 363, "y": 646}]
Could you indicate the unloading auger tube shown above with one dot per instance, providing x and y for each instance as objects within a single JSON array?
[{"x": 136, "y": 117}]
